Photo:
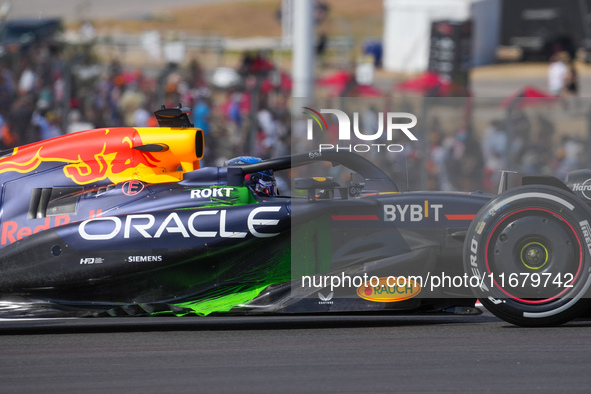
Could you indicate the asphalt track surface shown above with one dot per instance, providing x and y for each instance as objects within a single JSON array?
[{"x": 309, "y": 354}]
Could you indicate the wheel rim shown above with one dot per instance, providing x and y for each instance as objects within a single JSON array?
[{"x": 533, "y": 242}]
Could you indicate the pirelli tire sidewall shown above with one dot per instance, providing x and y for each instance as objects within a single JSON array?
[{"x": 563, "y": 213}]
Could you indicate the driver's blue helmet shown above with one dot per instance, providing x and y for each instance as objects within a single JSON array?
[{"x": 262, "y": 183}]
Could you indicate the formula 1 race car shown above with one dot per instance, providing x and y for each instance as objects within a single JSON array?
[{"x": 123, "y": 221}]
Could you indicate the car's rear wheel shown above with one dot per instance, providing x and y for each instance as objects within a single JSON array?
[{"x": 530, "y": 247}]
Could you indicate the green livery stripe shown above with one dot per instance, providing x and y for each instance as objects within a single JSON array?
[
  {"x": 241, "y": 289},
  {"x": 223, "y": 303}
]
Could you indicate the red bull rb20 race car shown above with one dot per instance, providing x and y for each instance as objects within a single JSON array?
[{"x": 124, "y": 221}]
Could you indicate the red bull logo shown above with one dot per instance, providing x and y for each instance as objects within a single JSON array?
[
  {"x": 91, "y": 155},
  {"x": 12, "y": 232}
]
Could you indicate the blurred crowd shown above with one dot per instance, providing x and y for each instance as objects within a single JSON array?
[
  {"x": 44, "y": 94},
  {"x": 461, "y": 158},
  {"x": 527, "y": 146}
]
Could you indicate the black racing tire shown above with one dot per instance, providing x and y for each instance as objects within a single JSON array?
[{"x": 531, "y": 248}]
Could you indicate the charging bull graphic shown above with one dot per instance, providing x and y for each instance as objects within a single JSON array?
[{"x": 91, "y": 155}]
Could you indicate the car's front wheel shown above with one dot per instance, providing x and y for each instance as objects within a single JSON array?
[{"x": 531, "y": 248}]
